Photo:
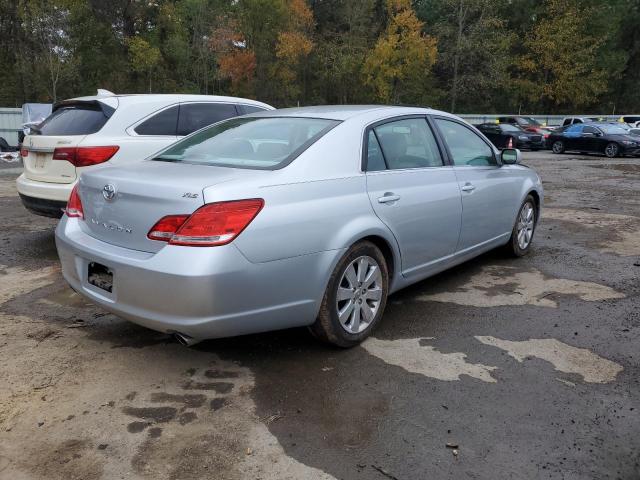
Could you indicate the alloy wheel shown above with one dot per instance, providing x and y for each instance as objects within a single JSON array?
[
  {"x": 526, "y": 224},
  {"x": 359, "y": 294},
  {"x": 611, "y": 150},
  {"x": 558, "y": 147}
]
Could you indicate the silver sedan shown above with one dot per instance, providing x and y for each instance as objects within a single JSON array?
[{"x": 298, "y": 217}]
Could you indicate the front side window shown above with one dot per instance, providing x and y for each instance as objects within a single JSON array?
[
  {"x": 408, "y": 143},
  {"x": 265, "y": 143},
  {"x": 194, "y": 116},
  {"x": 575, "y": 129},
  {"x": 466, "y": 148},
  {"x": 163, "y": 123},
  {"x": 246, "y": 109},
  {"x": 591, "y": 130}
]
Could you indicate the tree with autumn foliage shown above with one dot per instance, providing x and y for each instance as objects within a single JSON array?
[
  {"x": 399, "y": 65},
  {"x": 560, "y": 66}
]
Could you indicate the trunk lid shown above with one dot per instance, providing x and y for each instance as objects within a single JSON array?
[
  {"x": 144, "y": 193},
  {"x": 39, "y": 164}
]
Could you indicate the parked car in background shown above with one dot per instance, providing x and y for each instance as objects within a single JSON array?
[
  {"x": 298, "y": 217},
  {"x": 33, "y": 114},
  {"x": 506, "y": 135},
  {"x": 631, "y": 120},
  {"x": 88, "y": 131},
  {"x": 528, "y": 124},
  {"x": 571, "y": 120},
  {"x": 609, "y": 138}
]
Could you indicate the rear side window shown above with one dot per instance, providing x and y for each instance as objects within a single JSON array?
[
  {"x": 567, "y": 121},
  {"x": 73, "y": 120},
  {"x": 408, "y": 143},
  {"x": 162, "y": 123},
  {"x": 194, "y": 116},
  {"x": 465, "y": 146},
  {"x": 375, "y": 160},
  {"x": 246, "y": 109}
]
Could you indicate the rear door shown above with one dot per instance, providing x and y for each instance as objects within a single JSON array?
[
  {"x": 66, "y": 127},
  {"x": 490, "y": 196},
  {"x": 412, "y": 191}
]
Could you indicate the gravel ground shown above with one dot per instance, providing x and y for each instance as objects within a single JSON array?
[{"x": 499, "y": 368}]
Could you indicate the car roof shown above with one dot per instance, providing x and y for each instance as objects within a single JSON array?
[
  {"x": 345, "y": 112},
  {"x": 168, "y": 97}
]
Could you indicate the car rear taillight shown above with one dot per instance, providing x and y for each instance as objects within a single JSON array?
[
  {"x": 164, "y": 229},
  {"x": 85, "y": 156},
  {"x": 74, "y": 205},
  {"x": 211, "y": 225},
  {"x": 24, "y": 153}
]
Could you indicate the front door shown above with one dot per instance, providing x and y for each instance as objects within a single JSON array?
[
  {"x": 490, "y": 197},
  {"x": 413, "y": 192}
]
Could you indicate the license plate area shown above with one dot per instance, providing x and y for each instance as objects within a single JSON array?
[
  {"x": 100, "y": 276},
  {"x": 41, "y": 160}
]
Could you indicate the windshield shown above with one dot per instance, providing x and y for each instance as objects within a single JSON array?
[
  {"x": 249, "y": 142},
  {"x": 506, "y": 127},
  {"x": 613, "y": 129},
  {"x": 531, "y": 121}
]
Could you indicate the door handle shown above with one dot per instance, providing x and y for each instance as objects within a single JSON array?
[
  {"x": 468, "y": 187},
  {"x": 388, "y": 198}
]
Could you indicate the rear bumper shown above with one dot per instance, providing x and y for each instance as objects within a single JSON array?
[
  {"x": 201, "y": 292},
  {"x": 43, "y": 207},
  {"x": 44, "y": 190}
]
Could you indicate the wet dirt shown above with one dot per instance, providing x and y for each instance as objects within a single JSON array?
[{"x": 529, "y": 366}]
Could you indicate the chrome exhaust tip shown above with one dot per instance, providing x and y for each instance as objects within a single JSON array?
[{"x": 185, "y": 340}]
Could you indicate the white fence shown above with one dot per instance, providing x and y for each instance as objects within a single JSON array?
[
  {"x": 10, "y": 124},
  {"x": 550, "y": 120}
]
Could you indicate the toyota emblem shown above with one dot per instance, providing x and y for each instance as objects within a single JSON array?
[{"x": 109, "y": 191}]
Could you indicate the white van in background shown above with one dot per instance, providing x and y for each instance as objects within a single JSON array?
[{"x": 88, "y": 131}]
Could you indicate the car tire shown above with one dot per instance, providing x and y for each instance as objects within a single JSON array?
[
  {"x": 557, "y": 147},
  {"x": 523, "y": 229},
  {"x": 612, "y": 150},
  {"x": 347, "y": 292}
]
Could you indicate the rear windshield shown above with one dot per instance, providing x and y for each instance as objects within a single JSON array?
[
  {"x": 249, "y": 142},
  {"x": 73, "y": 120}
]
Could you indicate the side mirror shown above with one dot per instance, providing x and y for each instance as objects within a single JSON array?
[{"x": 510, "y": 156}]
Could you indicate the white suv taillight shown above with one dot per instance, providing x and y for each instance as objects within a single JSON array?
[
  {"x": 85, "y": 156},
  {"x": 211, "y": 225}
]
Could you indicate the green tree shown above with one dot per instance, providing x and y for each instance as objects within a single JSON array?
[
  {"x": 473, "y": 50},
  {"x": 346, "y": 30},
  {"x": 559, "y": 68},
  {"x": 143, "y": 57},
  {"x": 400, "y": 63}
]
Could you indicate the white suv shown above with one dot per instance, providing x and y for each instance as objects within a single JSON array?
[{"x": 87, "y": 131}]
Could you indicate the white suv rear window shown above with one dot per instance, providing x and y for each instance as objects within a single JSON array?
[{"x": 73, "y": 120}]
